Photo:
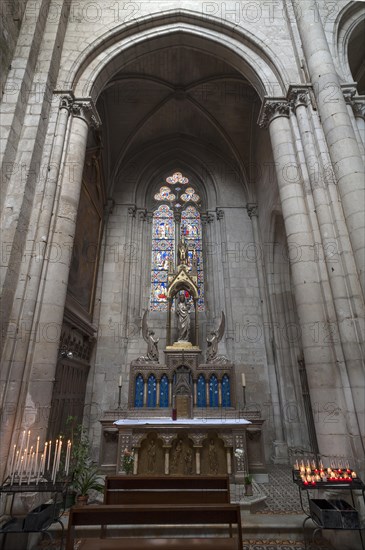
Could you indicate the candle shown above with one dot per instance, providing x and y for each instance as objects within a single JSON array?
[
  {"x": 40, "y": 468},
  {"x": 243, "y": 380},
  {"x": 31, "y": 467},
  {"x": 68, "y": 452},
  {"x": 37, "y": 446},
  {"x": 49, "y": 454},
  {"x": 353, "y": 475},
  {"x": 54, "y": 459},
  {"x": 45, "y": 451},
  {"x": 21, "y": 448},
  {"x": 12, "y": 460},
  {"x": 28, "y": 439},
  {"x": 21, "y": 470},
  {"x": 321, "y": 465},
  {"x": 120, "y": 380}
]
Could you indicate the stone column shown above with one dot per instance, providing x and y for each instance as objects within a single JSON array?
[
  {"x": 167, "y": 460},
  {"x": 219, "y": 393},
  {"x": 197, "y": 460},
  {"x": 280, "y": 450},
  {"x": 323, "y": 376},
  {"x": 145, "y": 391},
  {"x": 195, "y": 390},
  {"x": 157, "y": 393},
  {"x": 347, "y": 317},
  {"x": 207, "y": 393},
  {"x": 358, "y": 105},
  {"x": 16, "y": 349},
  {"x": 341, "y": 140},
  {"x": 37, "y": 385},
  {"x": 229, "y": 461},
  {"x": 135, "y": 464},
  {"x": 348, "y": 94}
]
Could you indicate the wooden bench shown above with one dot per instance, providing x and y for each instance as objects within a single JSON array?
[
  {"x": 155, "y": 514},
  {"x": 166, "y": 490}
]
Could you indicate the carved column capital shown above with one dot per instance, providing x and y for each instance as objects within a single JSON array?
[
  {"x": 132, "y": 210},
  {"x": 219, "y": 213},
  {"x": 252, "y": 210},
  {"x": 66, "y": 101},
  {"x": 359, "y": 107},
  {"x": 271, "y": 109},
  {"x": 86, "y": 110},
  {"x": 207, "y": 218},
  {"x": 299, "y": 96},
  {"x": 142, "y": 215}
]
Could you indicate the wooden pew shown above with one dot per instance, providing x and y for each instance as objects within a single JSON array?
[
  {"x": 155, "y": 514},
  {"x": 166, "y": 490}
]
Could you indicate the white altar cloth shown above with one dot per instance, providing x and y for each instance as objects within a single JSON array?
[{"x": 182, "y": 421}]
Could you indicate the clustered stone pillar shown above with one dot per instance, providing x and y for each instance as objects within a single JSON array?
[
  {"x": 346, "y": 316},
  {"x": 37, "y": 387},
  {"x": 341, "y": 140},
  {"x": 280, "y": 451},
  {"x": 323, "y": 377}
]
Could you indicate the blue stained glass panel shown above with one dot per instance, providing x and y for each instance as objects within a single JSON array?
[
  {"x": 226, "y": 391},
  {"x": 201, "y": 389},
  {"x": 164, "y": 391},
  {"x": 213, "y": 391},
  {"x": 151, "y": 391},
  {"x": 163, "y": 245},
  {"x": 139, "y": 390}
]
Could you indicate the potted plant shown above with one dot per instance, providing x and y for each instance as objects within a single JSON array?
[
  {"x": 84, "y": 475},
  {"x": 248, "y": 485},
  {"x": 87, "y": 480},
  {"x": 128, "y": 461}
]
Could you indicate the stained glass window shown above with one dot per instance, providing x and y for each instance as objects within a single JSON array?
[
  {"x": 201, "y": 389},
  {"x": 163, "y": 249},
  {"x": 191, "y": 229},
  {"x": 177, "y": 196},
  {"x": 164, "y": 391},
  {"x": 226, "y": 391},
  {"x": 213, "y": 391},
  {"x": 151, "y": 391},
  {"x": 139, "y": 391}
]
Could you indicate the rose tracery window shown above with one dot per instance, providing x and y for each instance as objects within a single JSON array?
[{"x": 176, "y": 215}]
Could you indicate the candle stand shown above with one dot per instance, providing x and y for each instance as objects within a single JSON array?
[
  {"x": 333, "y": 513},
  {"x": 40, "y": 518}
]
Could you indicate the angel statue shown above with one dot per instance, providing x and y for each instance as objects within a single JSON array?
[
  {"x": 216, "y": 337},
  {"x": 148, "y": 336}
]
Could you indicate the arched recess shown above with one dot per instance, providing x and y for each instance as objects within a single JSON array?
[
  {"x": 348, "y": 35},
  {"x": 250, "y": 54}
]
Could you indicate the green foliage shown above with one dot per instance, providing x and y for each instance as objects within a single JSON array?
[
  {"x": 248, "y": 480},
  {"x": 84, "y": 474}
]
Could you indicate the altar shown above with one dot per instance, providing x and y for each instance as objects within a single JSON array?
[{"x": 182, "y": 416}]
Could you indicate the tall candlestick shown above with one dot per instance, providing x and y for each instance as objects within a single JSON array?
[
  {"x": 21, "y": 470},
  {"x": 54, "y": 459},
  {"x": 21, "y": 449},
  {"x": 49, "y": 454},
  {"x": 12, "y": 461},
  {"x": 45, "y": 452},
  {"x": 28, "y": 437},
  {"x": 243, "y": 377},
  {"x": 40, "y": 468}
]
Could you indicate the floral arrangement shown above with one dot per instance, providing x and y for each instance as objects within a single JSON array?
[
  {"x": 128, "y": 461},
  {"x": 239, "y": 453}
]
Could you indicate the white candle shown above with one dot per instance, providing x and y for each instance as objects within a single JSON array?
[
  {"x": 28, "y": 460},
  {"x": 21, "y": 449},
  {"x": 40, "y": 468},
  {"x": 21, "y": 470},
  {"x": 17, "y": 460},
  {"x": 37, "y": 446},
  {"x": 31, "y": 467},
  {"x": 45, "y": 454},
  {"x": 59, "y": 456},
  {"x": 243, "y": 380},
  {"x": 12, "y": 461},
  {"x": 67, "y": 461},
  {"x": 49, "y": 454},
  {"x": 28, "y": 439},
  {"x": 120, "y": 380},
  {"x": 54, "y": 459}
]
